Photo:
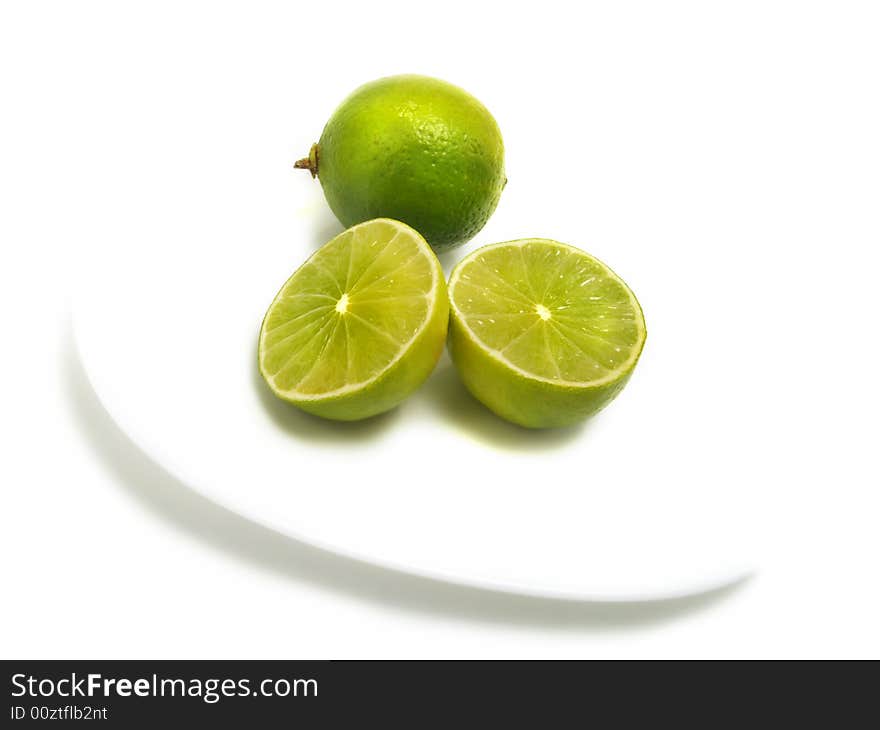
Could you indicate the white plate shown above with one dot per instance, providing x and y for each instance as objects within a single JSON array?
[{"x": 643, "y": 502}]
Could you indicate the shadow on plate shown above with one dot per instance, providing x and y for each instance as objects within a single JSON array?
[
  {"x": 448, "y": 259},
  {"x": 446, "y": 396},
  {"x": 170, "y": 500},
  {"x": 324, "y": 227},
  {"x": 443, "y": 397}
]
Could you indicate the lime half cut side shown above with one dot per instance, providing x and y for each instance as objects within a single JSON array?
[
  {"x": 359, "y": 326},
  {"x": 541, "y": 332}
]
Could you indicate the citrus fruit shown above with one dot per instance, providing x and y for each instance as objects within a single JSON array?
[
  {"x": 359, "y": 326},
  {"x": 542, "y": 333},
  {"x": 415, "y": 149}
]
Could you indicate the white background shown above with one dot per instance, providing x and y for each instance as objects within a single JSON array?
[{"x": 751, "y": 128}]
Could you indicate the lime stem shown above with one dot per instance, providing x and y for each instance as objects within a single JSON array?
[{"x": 309, "y": 163}]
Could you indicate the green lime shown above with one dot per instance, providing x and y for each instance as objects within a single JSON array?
[
  {"x": 359, "y": 326},
  {"x": 542, "y": 333},
  {"x": 415, "y": 149}
]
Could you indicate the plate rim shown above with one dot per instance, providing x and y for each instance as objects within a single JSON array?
[{"x": 745, "y": 569}]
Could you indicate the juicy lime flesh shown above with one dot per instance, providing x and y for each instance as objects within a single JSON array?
[
  {"x": 549, "y": 310},
  {"x": 415, "y": 149},
  {"x": 348, "y": 312}
]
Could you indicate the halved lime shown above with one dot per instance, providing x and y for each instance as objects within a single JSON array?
[
  {"x": 541, "y": 332},
  {"x": 359, "y": 326}
]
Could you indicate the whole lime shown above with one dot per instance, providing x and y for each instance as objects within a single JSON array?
[{"x": 415, "y": 149}]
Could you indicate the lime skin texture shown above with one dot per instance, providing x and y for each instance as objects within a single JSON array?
[
  {"x": 542, "y": 333},
  {"x": 415, "y": 149},
  {"x": 359, "y": 326}
]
